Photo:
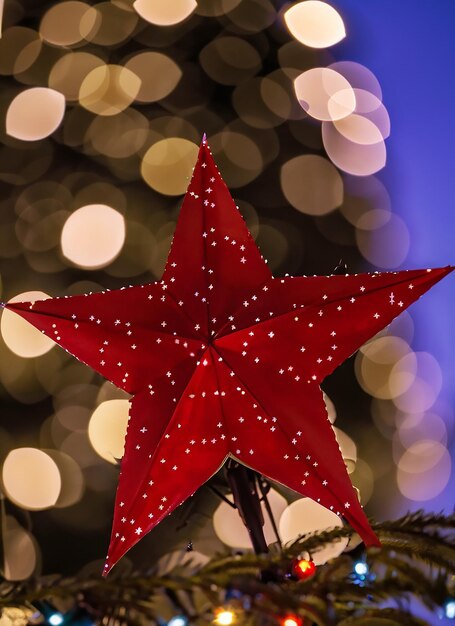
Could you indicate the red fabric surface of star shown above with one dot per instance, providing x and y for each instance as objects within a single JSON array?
[{"x": 222, "y": 359}]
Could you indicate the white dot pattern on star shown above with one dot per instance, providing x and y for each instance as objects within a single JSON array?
[{"x": 223, "y": 359}]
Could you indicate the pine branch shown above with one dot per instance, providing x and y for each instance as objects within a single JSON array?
[{"x": 417, "y": 556}]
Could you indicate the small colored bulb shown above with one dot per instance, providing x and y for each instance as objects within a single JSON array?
[
  {"x": 55, "y": 619},
  {"x": 178, "y": 620},
  {"x": 303, "y": 568},
  {"x": 224, "y": 618},
  {"x": 361, "y": 568},
  {"x": 450, "y": 609},
  {"x": 291, "y": 620}
]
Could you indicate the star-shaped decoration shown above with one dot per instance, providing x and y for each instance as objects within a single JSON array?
[{"x": 224, "y": 360}]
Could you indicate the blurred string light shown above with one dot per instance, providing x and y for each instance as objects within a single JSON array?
[
  {"x": 31, "y": 479},
  {"x": 315, "y": 24},
  {"x": 305, "y": 516},
  {"x": 321, "y": 180},
  {"x": 109, "y": 89},
  {"x": 23, "y": 339},
  {"x": 167, "y": 165},
  {"x": 230, "y": 529},
  {"x": 55, "y": 619},
  {"x": 290, "y": 620},
  {"x": 69, "y": 23},
  {"x": 93, "y": 236},
  {"x": 163, "y": 12},
  {"x": 224, "y": 617},
  {"x": 178, "y": 620},
  {"x": 107, "y": 429},
  {"x": 449, "y": 609},
  {"x": 35, "y": 113},
  {"x": 325, "y": 94},
  {"x": 20, "y": 550}
]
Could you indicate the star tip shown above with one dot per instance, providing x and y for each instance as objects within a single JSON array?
[{"x": 204, "y": 138}]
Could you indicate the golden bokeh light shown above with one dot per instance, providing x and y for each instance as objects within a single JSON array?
[
  {"x": 331, "y": 410},
  {"x": 158, "y": 73},
  {"x": 353, "y": 158},
  {"x": 107, "y": 429},
  {"x": 93, "y": 236},
  {"x": 315, "y": 24},
  {"x": 35, "y": 113},
  {"x": 163, "y": 12},
  {"x": 118, "y": 136},
  {"x": 19, "y": 554},
  {"x": 305, "y": 516},
  {"x": 325, "y": 94},
  {"x": 73, "y": 483},
  {"x": 109, "y": 89},
  {"x": 31, "y": 479},
  {"x": 230, "y": 529},
  {"x": 238, "y": 157},
  {"x": 424, "y": 390},
  {"x": 19, "y": 49},
  {"x": 230, "y": 60},
  {"x": 116, "y": 23},
  {"x": 424, "y": 470},
  {"x": 347, "y": 447},
  {"x": 312, "y": 184},
  {"x": 363, "y": 480},
  {"x": 358, "y": 129},
  {"x": 215, "y": 8},
  {"x": 253, "y": 16},
  {"x": 68, "y": 23},
  {"x": 70, "y": 71},
  {"x": 21, "y": 337},
  {"x": 168, "y": 164},
  {"x": 377, "y": 370}
]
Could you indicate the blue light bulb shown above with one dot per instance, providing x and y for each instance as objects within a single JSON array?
[
  {"x": 450, "y": 609},
  {"x": 361, "y": 568},
  {"x": 55, "y": 619},
  {"x": 178, "y": 620}
]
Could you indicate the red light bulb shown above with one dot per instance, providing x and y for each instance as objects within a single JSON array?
[
  {"x": 303, "y": 568},
  {"x": 290, "y": 620}
]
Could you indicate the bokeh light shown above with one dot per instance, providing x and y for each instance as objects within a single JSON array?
[
  {"x": 107, "y": 429},
  {"x": 35, "y": 113},
  {"x": 424, "y": 470},
  {"x": 230, "y": 60},
  {"x": 69, "y": 72},
  {"x": 306, "y": 516},
  {"x": 109, "y": 89},
  {"x": 312, "y": 184},
  {"x": 67, "y": 23},
  {"x": 315, "y": 23},
  {"x": 354, "y": 158},
  {"x": 163, "y": 12},
  {"x": 158, "y": 73},
  {"x": 347, "y": 447},
  {"x": 21, "y": 337},
  {"x": 93, "y": 236},
  {"x": 167, "y": 165},
  {"x": 19, "y": 49},
  {"x": 19, "y": 553},
  {"x": 325, "y": 94},
  {"x": 230, "y": 529},
  {"x": 31, "y": 479}
]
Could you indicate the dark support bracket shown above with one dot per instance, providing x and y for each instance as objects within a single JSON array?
[{"x": 243, "y": 483}]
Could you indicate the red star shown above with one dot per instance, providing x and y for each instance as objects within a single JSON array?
[{"x": 224, "y": 360}]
